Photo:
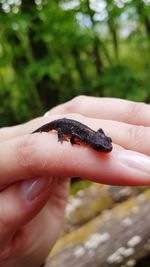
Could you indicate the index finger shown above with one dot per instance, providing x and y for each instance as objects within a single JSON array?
[
  {"x": 41, "y": 155},
  {"x": 107, "y": 108}
]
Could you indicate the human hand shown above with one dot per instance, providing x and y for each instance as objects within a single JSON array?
[
  {"x": 128, "y": 124},
  {"x": 25, "y": 238},
  {"x": 27, "y": 232}
]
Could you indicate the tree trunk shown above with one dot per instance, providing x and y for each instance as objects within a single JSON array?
[
  {"x": 78, "y": 65},
  {"x": 113, "y": 32},
  {"x": 96, "y": 44},
  {"x": 39, "y": 50},
  {"x": 143, "y": 17},
  {"x": 97, "y": 56},
  {"x": 112, "y": 27}
]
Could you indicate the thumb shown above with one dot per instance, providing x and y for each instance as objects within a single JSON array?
[{"x": 19, "y": 204}]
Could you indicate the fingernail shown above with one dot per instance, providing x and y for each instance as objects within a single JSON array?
[
  {"x": 46, "y": 114},
  {"x": 135, "y": 160},
  {"x": 31, "y": 189}
]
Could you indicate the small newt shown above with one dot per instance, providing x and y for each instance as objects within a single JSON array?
[{"x": 76, "y": 131}]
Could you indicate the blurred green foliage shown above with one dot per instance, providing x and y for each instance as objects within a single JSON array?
[{"x": 51, "y": 51}]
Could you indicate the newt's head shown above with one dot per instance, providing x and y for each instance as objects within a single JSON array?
[{"x": 101, "y": 142}]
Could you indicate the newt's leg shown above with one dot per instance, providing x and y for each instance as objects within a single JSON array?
[
  {"x": 61, "y": 137},
  {"x": 100, "y": 131},
  {"x": 72, "y": 140}
]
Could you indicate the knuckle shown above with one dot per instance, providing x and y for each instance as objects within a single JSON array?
[
  {"x": 137, "y": 134},
  {"x": 28, "y": 157},
  {"x": 74, "y": 104},
  {"x": 26, "y": 150},
  {"x": 79, "y": 98},
  {"x": 135, "y": 110}
]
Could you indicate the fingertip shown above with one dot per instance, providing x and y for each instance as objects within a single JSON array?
[
  {"x": 19, "y": 204},
  {"x": 33, "y": 188}
]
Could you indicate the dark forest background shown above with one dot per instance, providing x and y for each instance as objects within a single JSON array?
[{"x": 51, "y": 51}]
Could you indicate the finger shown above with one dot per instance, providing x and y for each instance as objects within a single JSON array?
[
  {"x": 103, "y": 108},
  {"x": 18, "y": 205},
  {"x": 107, "y": 108},
  {"x": 48, "y": 222},
  {"x": 39, "y": 155},
  {"x": 19, "y": 130},
  {"x": 58, "y": 200},
  {"x": 7, "y": 133},
  {"x": 131, "y": 137}
]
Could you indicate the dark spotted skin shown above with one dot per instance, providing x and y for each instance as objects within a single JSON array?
[{"x": 77, "y": 132}]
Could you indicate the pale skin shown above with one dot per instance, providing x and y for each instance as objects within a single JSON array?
[{"x": 34, "y": 167}]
